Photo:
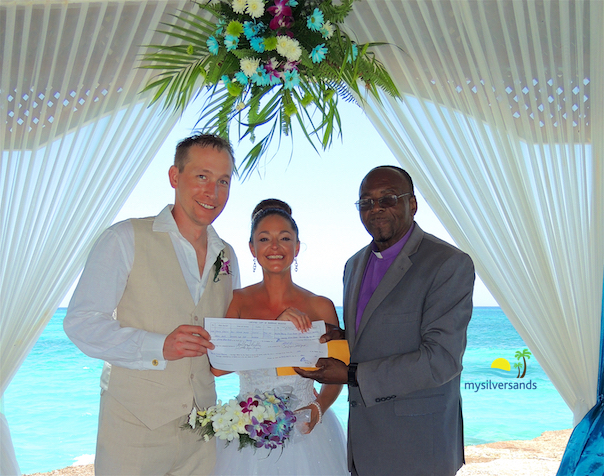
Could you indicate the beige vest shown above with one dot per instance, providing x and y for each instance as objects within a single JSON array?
[{"x": 158, "y": 300}]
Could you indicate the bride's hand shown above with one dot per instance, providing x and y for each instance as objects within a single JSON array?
[
  {"x": 300, "y": 319},
  {"x": 314, "y": 418}
]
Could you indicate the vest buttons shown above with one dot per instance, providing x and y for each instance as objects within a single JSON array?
[
  {"x": 154, "y": 362},
  {"x": 196, "y": 318},
  {"x": 192, "y": 376}
]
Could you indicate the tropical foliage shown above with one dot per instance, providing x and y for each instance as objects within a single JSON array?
[{"x": 266, "y": 63}]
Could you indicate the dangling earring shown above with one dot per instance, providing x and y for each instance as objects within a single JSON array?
[
  {"x": 296, "y": 264},
  {"x": 254, "y": 267}
]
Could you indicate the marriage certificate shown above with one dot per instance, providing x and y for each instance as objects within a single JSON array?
[{"x": 249, "y": 344}]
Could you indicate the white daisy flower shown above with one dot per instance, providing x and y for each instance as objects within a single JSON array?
[
  {"x": 249, "y": 66},
  {"x": 293, "y": 51},
  {"x": 289, "y": 48},
  {"x": 328, "y": 30},
  {"x": 283, "y": 43},
  {"x": 239, "y": 6},
  {"x": 255, "y": 8}
]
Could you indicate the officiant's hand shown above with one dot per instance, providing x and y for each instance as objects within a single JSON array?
[
  {"x": 332, "y": 333},
  {"x": 187, "y": 341},
  {"x": 329, "y": 370}
]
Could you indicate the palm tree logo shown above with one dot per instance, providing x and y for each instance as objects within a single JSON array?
[{"x": 522, "y": 355}]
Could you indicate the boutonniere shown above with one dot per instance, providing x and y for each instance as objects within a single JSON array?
[{"x": 222, "y": 267}]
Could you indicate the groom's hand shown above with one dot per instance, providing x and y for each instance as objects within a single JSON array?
[
  {"x": 329, "y": 370},
  {"x": 187, "y": 341}
]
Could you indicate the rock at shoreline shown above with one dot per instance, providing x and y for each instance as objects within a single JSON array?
[{"x": 538, "y": 457}]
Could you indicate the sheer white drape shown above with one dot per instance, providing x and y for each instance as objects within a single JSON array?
[
  {"x": 75, "y": 138},
  {"x": 501, "y": 99}
]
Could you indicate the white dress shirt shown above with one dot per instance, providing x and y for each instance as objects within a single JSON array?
[{"x": 90, "y": 320}]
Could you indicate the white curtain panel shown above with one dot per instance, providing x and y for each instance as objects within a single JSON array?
[
  {"x": 501, "y": 98},
  {"x": 75, "y": 138}
]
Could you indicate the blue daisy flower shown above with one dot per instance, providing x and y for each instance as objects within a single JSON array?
[
  {"x": 292, "y": 79},
  {"x": 260, "y": 77},
  {"x": 273, "y": 80},
  {"x": 315, "y": 21},
  {"x": 292, "y": 3},
  {"x": 213, "y": 45},
  {"x": 252, "y": 29},
  {"x": 231, "y": 42},
  {"x": 318, "y": 53},
  {"x": 257, "y": 44},
  {"x": 249, "y": 29},
  {"x": 225, "y": 79},
  {"x": 220, "y": 26},
  {"x": 241, "y": 77}
]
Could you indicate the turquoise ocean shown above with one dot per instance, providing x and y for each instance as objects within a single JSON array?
[{"x": 52, "y": 403}]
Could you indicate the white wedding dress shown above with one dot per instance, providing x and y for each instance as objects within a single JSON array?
[{"x": 320, "y": 452}]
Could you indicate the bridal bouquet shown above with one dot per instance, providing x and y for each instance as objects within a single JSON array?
[
  {"x": 262, "y": 420},
  {"x": 266, "y": 62}
]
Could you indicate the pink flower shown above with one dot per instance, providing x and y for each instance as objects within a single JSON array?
[
  {"x": 291, "y": 66},
  {"x": 246, "y": 405},
  {"x": 281, "y": 22},
  {"x": 280, "y": 9},
  {"x": 282, "y": 14},
  {"x": 225, "y": 268},
  {"x": 271, "y": 70}
]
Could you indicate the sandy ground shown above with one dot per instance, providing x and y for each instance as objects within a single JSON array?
[{"x": 538, "y": 457}]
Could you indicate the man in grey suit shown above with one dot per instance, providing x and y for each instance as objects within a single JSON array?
[{"x": 407, "y": 305}]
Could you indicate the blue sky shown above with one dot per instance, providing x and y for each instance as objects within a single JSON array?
[{"x": 320, "y": 188}]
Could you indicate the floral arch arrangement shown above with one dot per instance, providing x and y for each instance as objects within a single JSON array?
[{"x": 266, "y": 63}]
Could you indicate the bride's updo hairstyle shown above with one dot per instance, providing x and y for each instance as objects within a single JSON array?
[{"x": 272, "y": 206}]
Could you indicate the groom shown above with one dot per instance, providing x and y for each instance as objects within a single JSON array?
[
  {"x": 407, "y": 305},
  {"x": 140, "y": 303}
]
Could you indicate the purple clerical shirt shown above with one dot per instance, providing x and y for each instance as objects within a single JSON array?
[{"x": 377, "y": 265}]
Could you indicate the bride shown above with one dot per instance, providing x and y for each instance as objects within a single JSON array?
[{"x": 321, "y": 450}]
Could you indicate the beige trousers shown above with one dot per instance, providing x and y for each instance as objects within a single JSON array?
[{"x": 126, "y": 447}]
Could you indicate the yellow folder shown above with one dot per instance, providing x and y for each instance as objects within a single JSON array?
[{"x": 338, "y": 349}]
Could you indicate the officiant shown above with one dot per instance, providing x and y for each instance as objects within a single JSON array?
[{"x": 407, "y": 305}]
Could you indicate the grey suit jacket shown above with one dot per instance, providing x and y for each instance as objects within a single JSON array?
[{"x": 405, "y": 415}]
